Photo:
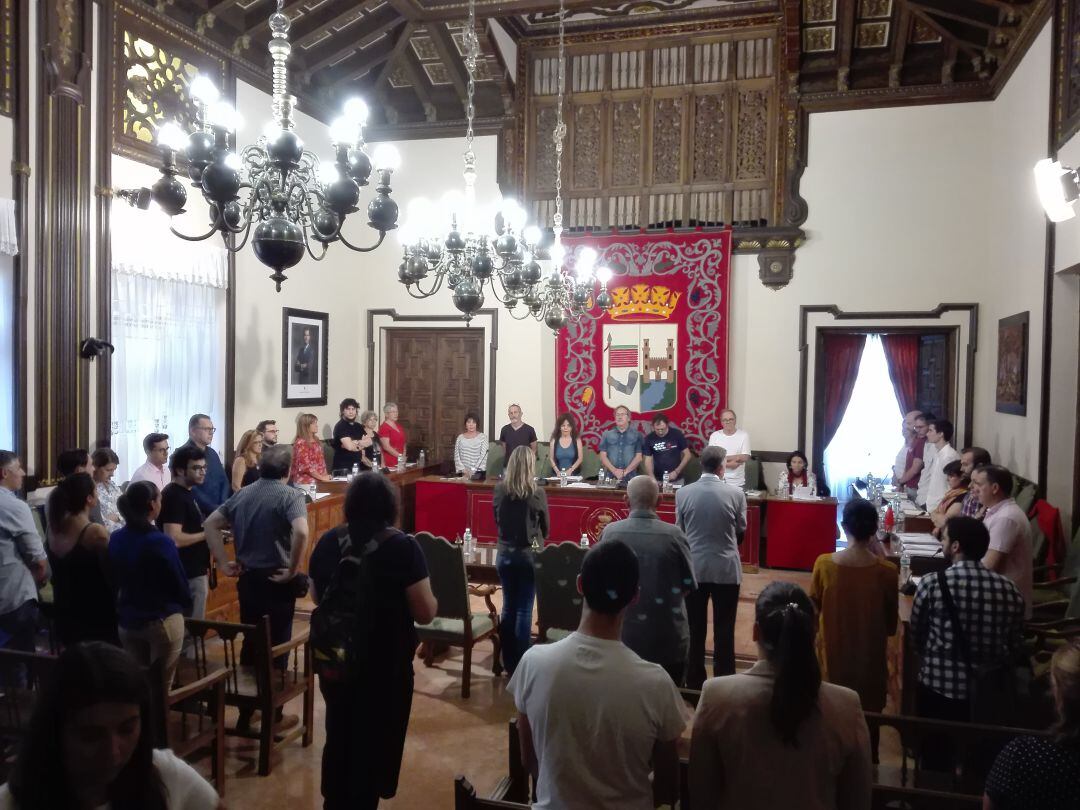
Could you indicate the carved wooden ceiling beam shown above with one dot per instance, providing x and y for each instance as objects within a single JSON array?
[
  {"x": 448, "y": 53},
  {"x": 311, "y": 28},
  {"x": 357, "y": 65},
  {"x": 846, "y": 43},
  {"x": 382, "y": 77},
  {"x": 969, "y": 12},
  {"x": 419, "y": 83},
  {"x": 899, "y": 46},
  {"x": 972, "y": 49}
]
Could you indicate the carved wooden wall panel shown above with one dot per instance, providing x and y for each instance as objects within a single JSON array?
[
  {"x": 676, "y": 130},
  {"x": 155, "y": 65},
  {"x": 9, "y": 56},
  {"x": 1066, "y": 71}
]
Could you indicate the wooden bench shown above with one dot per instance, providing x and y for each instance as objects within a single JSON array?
[{"x": 263, "y": 686}]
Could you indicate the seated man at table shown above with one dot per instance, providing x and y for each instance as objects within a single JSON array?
[
  {"x": 620, "y": 447},
  {"x": 593, "y": 718},
  {"x": 970, "y": 458},
  {"x": 656, "y": 628},
  {"x": 1010, "y": 551},
  {"x": 665, "y": 451}
]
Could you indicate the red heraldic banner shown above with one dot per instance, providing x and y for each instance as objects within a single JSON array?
[{"x": 662, "y": 348}]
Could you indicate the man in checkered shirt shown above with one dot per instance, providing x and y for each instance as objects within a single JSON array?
[{"x": 991, "y": 612}]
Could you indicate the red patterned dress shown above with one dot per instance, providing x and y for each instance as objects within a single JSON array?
[{"x": 307, "y": 459}]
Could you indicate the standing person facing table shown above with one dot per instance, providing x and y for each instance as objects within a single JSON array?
[
  {"x": 516, "y": 434},
  {"x": 270, "y": 530},
  {"x": 620, "y": 447},
  {"x": 911, "y": 478},
  {"x": 392, "y": 436},
  {"x": 713, "y": 516},
  {"x": 855, "y": 593},
  {"x": 970, "y": 458},
  {"x": 938, "y": 433},
  {"x": 105, "y": 464},
  {"x": 367, "y": 718},
  {"x": 907, "y": 429},
  {"x": 181, "y": 519},
  {"x": 1010, "y": 548},
  {"x": 308, "y": 461},
  {"x": 521, "y": 515},
  {"x": 471, "y": 448},
  {"x": 922, "y": 428},
  {"x": 952, "y": 502},
  {"x": 656, "y": 627},
  {"x": 350, "y": 437},
  {"x": 22, "y": 557},
  {"x": 565, "y": 452},
  {"x": 156, "y": 468},
  {"x": 665, "y": 450},
  {"x": 214, "y": 487},
  {"x": 736, "y": 445},
  {"x": 371, "y": 457}
]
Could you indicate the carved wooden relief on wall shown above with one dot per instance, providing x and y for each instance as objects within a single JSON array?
[
  {"x": 152, "y": 80},
  {"x": 1066, "y": 71},
  {"x": 9, "y": 56},
  {"x": 676, "y": 130}
]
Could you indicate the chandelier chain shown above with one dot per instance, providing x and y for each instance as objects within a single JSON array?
[
  {"x": 472, "y": 47},
  {"x": 560, "y": 127}
]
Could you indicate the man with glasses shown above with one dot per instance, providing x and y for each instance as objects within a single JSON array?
[
  {"x": 155, "y": 470},
  {"x": 181, "y": 519},
  {"x": 215, "y": 488},
  {"x": 736, "y": 444},
  {"x": 268, "y": 429}
]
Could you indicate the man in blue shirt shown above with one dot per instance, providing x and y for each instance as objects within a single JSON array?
[
  {"x": 665, "y": 450},
  {"x": 22, "y": 558},
  {"x": 620, "y": 447},
  {"x": 215, "y": 489}
]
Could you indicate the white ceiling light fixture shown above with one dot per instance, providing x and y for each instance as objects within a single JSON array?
[{"x": 1058, "y": 188}]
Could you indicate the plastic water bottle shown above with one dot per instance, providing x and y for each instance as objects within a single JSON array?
[
  {"x": 905, "y": 567},
  {"x": 666, "y": 485},
  {"x": 421, "y": 460},
  {"x": 562, "y": 477},
  {"x": 355, "y": 470},
  {"x": 401, "y": 463},
  {"x": 584, "y": 540},
  {"x": 468, "y": 544}
]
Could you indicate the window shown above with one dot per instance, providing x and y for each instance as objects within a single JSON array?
[
  {"x": 869, "y": 434},
  {"x": 168, "y": 311}
]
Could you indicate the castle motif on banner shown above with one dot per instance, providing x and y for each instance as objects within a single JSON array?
[{"x": 641, "y": 348}]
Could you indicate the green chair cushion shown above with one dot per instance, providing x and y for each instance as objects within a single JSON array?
[
  {"x": 496, "y": 457},
  {"x": 452, "y": 630},
  {"x": 543, "y": 463},
  {"x": 590, "y": 464},
  {"x": 692, "y": 471}
]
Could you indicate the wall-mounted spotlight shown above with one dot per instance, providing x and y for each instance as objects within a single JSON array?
[{"x": 1058, "y": 187}]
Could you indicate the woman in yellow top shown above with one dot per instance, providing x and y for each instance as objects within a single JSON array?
[{"x": 856, "y": 594}]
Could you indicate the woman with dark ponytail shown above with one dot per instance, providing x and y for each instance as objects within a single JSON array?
[
  {"x": 154, "y": 591},
  {"x": 84, "y": 600},
  {"x": 779, "y": 718}
]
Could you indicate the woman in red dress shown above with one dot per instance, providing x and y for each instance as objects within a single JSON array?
[
  {"x": 391, "y": 435},
  {"x": 308, "y": 461}
]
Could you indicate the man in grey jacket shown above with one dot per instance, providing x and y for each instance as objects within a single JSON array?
[
  {"x": 655, "y": 626},
  {"x": 712, "y": 513}
]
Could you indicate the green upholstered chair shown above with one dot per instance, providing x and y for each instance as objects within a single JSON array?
[
  {"x": 455, "y": 624},
  {"x": 543, "y": 463},
  {"x": 496, "y": 456},
  {"x": 1025, "y": 492},
  {"x": 590, "y": 464},
  {"x": 558, "y": 604},
  {"x": 753, "y": 474},
  {"x": 692, "y": 471}
]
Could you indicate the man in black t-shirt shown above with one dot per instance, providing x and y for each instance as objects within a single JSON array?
[
  {"x": 516, "y": 434},
  {"x": 665, "y": 450},
  {"x": 182, "y": 520},
  {"x": 348, "y": 441}
]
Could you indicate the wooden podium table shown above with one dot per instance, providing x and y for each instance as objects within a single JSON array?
[
  {"x": 445, "y": 507},
  {"x": 798, "y": 532}
]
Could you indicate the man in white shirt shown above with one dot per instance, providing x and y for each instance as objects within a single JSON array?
[
  {"x": 939, "y": 433},
  {"x": 1010, "y": 532},
  {"x": 594, "y": 719},
  {"x": 736, "y": 443},
  {"x": 156, "y": 447},
  {"x": 922, "y": 427}
]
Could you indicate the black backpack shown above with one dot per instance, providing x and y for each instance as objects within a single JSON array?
[{"x": 341, "y": 623}]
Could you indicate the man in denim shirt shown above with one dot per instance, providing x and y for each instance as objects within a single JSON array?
[{"x": 620, "y": 447}]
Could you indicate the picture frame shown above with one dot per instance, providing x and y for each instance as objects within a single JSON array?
[
  {"x": 304, "y": 357},
  {"x": 1012, "y": 364}
]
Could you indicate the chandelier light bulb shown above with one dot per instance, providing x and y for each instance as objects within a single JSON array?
[
  {"x": 604, "y": 274},
  {"x": 328, "y": 173},
  {"x": 586, "y": 259},
  {"x": 558, "y": 254},
  {"x": 271, "y": 130},
  {"x": 171, "y": 136},
  {"x": 343, "y": 131},
  {"x": 406, "y": 234},
  {"x": 532, "y": 234},
  {"x": 224, "y": 115},
  {"x": 232, "y": 160},
  {"x": 356, "y": 111},
  {"x": 204, "y": 90},
  {"x": 387, "y": 158}
]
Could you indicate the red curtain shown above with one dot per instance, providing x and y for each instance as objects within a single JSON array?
[
  {"x": 902, "y": 355},
  {"x": 842, "y": 356}
]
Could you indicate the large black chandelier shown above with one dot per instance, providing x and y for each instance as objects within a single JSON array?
[
  {"x": 492, "y": 248},
  {"x": 290, "y": 200}
]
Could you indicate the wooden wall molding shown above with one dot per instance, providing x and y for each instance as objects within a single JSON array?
[
  {"x": 838, "y": 314},
  {"x": 62, "y": 286},
  {"x": 392, "y": 314},
  {"x": 20, "y": 183}
]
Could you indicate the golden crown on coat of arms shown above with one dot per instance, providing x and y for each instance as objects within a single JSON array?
[{"x": 653, "y": 301}]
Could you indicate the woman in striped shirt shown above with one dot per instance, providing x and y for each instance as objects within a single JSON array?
[{"x": 471, "y": 447}]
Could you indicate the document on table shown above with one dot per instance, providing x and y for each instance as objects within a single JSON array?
[{"x": 320, "y": 495}]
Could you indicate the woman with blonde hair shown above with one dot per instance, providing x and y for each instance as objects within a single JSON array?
[
  {"x": 1044, "y": 772},
  {"x": 245, "y": 467},
  {"x": 308, "y": 461},
  {"x": 372, "y": 455},
  {"x": 521, "y": 515}
]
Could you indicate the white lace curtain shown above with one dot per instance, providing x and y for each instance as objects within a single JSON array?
[
  {"x": 168, "y": 305},
  {"x": 9, "y": 246}
]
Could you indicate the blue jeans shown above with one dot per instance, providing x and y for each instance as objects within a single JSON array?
[{"x": 519, "y": 589}]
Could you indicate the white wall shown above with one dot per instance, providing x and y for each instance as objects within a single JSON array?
[
  {"x": 347, "y": 284},
  {"x": 909, "y": 208}
]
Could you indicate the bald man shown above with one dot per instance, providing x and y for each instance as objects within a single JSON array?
[
  {"x": 900, "y": 466},
  {"x": 656, "y": 627}
]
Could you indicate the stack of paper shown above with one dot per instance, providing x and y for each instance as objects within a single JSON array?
[{"x": 919, "y": 544}]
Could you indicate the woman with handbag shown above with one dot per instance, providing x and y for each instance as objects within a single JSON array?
[{"x": 521, "y": 515}]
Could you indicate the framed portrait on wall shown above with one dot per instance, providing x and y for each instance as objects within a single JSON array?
[
  {"x": 304, "y": 345},
  {"x": 1012, "y": 364}
]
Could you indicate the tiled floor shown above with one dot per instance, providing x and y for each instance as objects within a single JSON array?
[{"x": 447, "y": 735}]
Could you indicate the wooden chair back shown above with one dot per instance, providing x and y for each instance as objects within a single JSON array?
[
  {"x": 449, "y": 582},
  {"x": 558, "y": 604},
  {"x": 465, "y": 798},
  {"x": 22, "y": 676}
]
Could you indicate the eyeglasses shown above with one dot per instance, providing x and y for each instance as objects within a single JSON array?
[
  {"x": 211, "y": 429},
  {"x": 198, "y": 468}
]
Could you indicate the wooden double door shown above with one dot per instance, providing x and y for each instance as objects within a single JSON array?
[{"x": 435, "y": 376}]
